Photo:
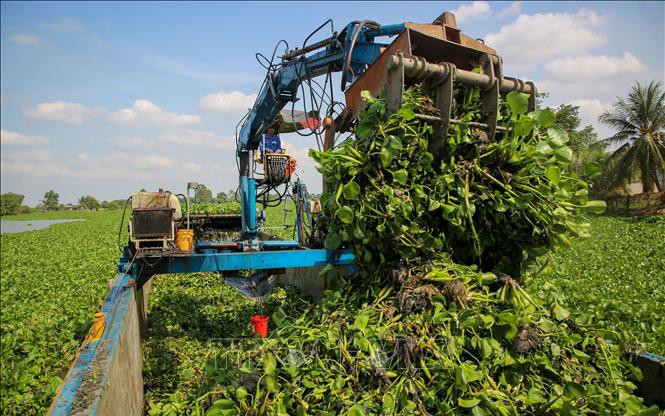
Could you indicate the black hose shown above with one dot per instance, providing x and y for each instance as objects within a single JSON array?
[
  {"x": 259, "y": 56},
  {"x": 332, "y": 30},
  {"x": 347, "y": 62},
  {"x": 121, "y": 222}
]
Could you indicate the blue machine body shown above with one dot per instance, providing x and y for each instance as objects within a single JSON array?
[{"x": 277, "y": 254}]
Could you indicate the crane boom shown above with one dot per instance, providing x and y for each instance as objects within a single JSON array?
[{"x": 354, "y": 45}]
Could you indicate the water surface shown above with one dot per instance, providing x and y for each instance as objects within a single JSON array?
[{"x": 12, "y": 226}]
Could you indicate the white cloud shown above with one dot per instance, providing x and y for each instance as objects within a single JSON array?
[
  {"x": 589, "y": 76},
  {"x": 128, "y": 142},
  {"x": 145, "y": 113},
  {"x": 60, "y": 111},
  {"x": 233, "y": 102},
  {"x": 27, "y": 40},
  {"x": 39, "y": 163},
  {"x": 135, "y": 161},
  {"x": 531, "y": 40},
  {"x": 122, "y": 165},
  {"x": 34, "y": 163},
  {"x": 590, "y": 67},
  {"x": 590, "y": 110},
  {"x": 514, "y": 8},
  {"x": 12, "y": 138},
  {"x": 191, "y": 167},
  {"x": 66, "y": 24},
  {"x": 183, "y": 138},
  {"x": 36, "y": 155},
  {"x": 119, "y": 164},
  {"x": 156, "y": 160},
  {"x": 467, "y": 12},
  {"x": 197, "y": 138},
  {"x": 565, "y": 91}
]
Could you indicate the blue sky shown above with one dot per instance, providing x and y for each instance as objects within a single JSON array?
[{"x": 108, "y": 98}]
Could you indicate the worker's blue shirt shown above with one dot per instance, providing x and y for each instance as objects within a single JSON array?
[{"x": 272, "y": 143}]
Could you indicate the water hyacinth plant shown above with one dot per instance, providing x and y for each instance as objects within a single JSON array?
[{"x": 437, "y": 321}]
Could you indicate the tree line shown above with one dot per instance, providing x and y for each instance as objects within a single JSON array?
[
  {"x": 12, "y": 203},
  {"x": 635, "y": 153}
]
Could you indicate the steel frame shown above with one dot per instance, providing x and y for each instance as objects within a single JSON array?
[{"x": 279, "y": 254}]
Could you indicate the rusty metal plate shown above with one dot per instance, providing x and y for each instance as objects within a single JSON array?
[{"x": 376, "y": 76}]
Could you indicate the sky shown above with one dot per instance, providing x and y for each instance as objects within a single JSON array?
[{"x": 108, "y": 98}]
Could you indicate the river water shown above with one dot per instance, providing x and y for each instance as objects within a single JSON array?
[{"x": 11, "y": 226}]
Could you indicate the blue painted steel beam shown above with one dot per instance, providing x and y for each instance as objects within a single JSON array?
[
  {"x": 390, "y": 30},
  {"x": 248, "y": 191},
  {"x": 280, "y": 244},
  {"x": 287, "y": 80},
  {"x": 70, "y": 388},
  {"x": 266, "y": 244},
  {"x": 260, "y": 260},
  {"x": 115, "y": 308}
]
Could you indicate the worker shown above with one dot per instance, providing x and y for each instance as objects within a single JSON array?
[{"x": 271, "y": 141}]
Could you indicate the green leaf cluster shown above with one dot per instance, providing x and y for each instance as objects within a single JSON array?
[
  {"x": 399, "y": 194},
  {"x": 437, "y": 322}
]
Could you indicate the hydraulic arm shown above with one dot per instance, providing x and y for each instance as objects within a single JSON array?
[
  {"x": 351, "y": 52},
  {"x": 435, "y": 55}
]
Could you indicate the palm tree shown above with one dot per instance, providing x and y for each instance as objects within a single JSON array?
[
  {"x": 640, "y": 124},
  {"x": 587, "y": 148}
]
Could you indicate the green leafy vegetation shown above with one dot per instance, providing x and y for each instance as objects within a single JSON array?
[
  {"x": 190, "y": 314},
  {"x": 89, "y": 202},
  {"x": 497, "y": 203},
  {"x": 52, "y": 282},
  {"x": 613, "y": 280},
  {"x": 50, "y": 200},
  {"x": 231, "y": 207},
  {"x": 203, "y": 195},
  {"x": 441, "y": 319},
  {"x": 11, "y": 204},
  {"x": 192, "y": 317},
  {"x": 415, "y": 332},
  {"x": 587, "y": 148}
]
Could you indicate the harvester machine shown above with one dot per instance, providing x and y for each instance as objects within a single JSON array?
[
  {"x": 438, "y": 56},
  {"x": 164, "y": 239}
]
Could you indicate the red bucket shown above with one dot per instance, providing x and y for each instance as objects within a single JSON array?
[{"x": 260, "y": 323}]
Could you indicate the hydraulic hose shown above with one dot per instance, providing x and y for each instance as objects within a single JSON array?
[{"x": 347, "y": 61}]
